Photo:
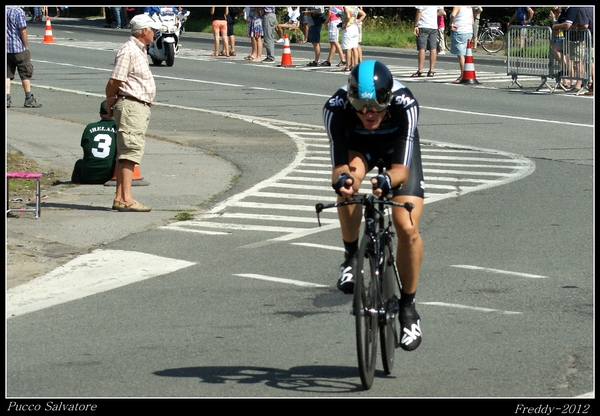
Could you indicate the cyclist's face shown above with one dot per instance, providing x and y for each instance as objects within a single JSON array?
[{"x": 371, "y": 119}]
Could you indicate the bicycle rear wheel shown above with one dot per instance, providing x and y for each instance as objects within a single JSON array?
[
  {"x": 492, "y": 40},
  {"x": 366, "y": 313},
  {"x": 388, "y": 332}
]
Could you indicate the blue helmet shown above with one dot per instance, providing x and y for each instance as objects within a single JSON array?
[{"x": 370, "y": 86}]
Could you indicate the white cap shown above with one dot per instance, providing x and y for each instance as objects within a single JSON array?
[{"x": 142, "y": 21}]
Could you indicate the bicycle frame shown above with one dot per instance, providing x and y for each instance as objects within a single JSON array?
[{"x": 375, "y": 304}]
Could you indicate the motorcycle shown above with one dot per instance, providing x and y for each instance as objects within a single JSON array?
[{"x": 166, "y": 40}]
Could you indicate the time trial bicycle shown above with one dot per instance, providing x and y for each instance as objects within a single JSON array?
[{"x": 377, "y": 285}]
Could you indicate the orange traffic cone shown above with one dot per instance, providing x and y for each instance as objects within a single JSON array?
[
  {"x": 286, "y": 56},
  {"x": 48, "y": 38},
  {"x": 468, "y": 75},
  {"x": 138, "y": 179}
]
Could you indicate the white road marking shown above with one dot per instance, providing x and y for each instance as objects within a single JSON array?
[
  {"x": 473, "y": 308},
  {"x": 89, "y": 274},
  {"x": 486, "y": 269},
  {"x": 336, "y": 248},
  {"x": 280, "y": 280}
]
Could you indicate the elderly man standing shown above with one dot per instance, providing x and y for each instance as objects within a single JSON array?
[{"x": 129, "y": 93}]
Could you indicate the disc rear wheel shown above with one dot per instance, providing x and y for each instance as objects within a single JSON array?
[{"x": 366, "y": 313}]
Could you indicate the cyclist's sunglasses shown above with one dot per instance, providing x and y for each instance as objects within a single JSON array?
[{"x": 371, "y": 106}]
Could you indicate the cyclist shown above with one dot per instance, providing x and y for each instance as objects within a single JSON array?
[{"x": 372, "y": 118}]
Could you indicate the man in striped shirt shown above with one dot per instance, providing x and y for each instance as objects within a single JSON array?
[
  {"x": 18, "y": 57},
  {"x": 129, "y": 93}
]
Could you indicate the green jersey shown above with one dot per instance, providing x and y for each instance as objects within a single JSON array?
[{"x": 99, "y": 152}]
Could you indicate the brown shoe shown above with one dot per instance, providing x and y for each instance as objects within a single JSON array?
[
  {"x": 117, "y": 204},
  {"x": 133, "y": 206}
]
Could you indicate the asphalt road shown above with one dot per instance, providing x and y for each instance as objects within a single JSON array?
[{"x": 250, "y": 308}]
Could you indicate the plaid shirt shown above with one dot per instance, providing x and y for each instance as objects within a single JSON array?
[
  {"x": 15, "y": 20},
  {"x": 133, "y": 70}
]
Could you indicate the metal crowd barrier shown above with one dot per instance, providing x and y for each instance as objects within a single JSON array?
[{"x": 536, "y": 51}]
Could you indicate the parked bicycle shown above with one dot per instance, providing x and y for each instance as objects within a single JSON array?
[
  {"x": 490, "y": 36},
  {"x": 377, "y": 285}
]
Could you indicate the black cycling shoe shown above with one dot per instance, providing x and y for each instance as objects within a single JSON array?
[
  {"x": 345, "y": 282},
  {"x": 410, "y": 326}
]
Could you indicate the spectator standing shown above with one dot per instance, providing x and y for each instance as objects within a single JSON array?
[
  {"x": 315, "y": 23},
  {"x": 255, "y": 32},
  {"x": 18, "y": 57},
  {"x": 585, "y": 20},
  {"x": 351, "y": 35},
  {"x": 269, "y": 22},
  {"x": 426, "y": 31},
  {"x": 37, "y": 14},
  {"x": 560, "y": 26},
  {"x": 116, "y": 11},
  {"x": 441, "y": 45},
  {"x": 231, "y": 16},
  {"x": 303, "y": 23},
  {"x": 477, "y": 10},
  {"x": 523, "y": 17},
  {"x": 461, "y": 26},
  {"x": 359, "y": 57},
  {"x": 333, "y": 23},
  {"x": 108, "y": 15},
  {"x": 129, "y": 92},
  {"x": 219, "y": 29},
  {"x": 578, "y": 47},
  {"x": 99, "y": 150}
]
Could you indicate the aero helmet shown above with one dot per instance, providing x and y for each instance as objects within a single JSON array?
[{"x": 370, "y": 86}]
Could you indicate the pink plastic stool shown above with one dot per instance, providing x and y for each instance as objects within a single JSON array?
[{"x": 25, "y": 175}]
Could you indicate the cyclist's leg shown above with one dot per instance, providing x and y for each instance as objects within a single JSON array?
[
  {"x": 408, "y": 258},
  {"x": 350, "y": 217},
  {"x": 410, "y": 246}
]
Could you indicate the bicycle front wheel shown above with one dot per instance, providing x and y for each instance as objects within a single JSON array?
[
  {"x": 492, "y": 40},
  {"x": 366, "y": 313},
  {"x": 390, "y": 291}
]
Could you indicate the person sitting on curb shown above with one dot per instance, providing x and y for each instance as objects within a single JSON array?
[{"x": 98, "y": 142}]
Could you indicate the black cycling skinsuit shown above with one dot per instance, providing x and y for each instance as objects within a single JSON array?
[{"x": 395, "y": 141}]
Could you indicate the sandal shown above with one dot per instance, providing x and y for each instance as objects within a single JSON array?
[
  {"x": 214, "y": 54},
  {"x": 346, "y": 69},
  {"x": 417, "y": 74},
  {"x": 222, "y": 54},
  {"x": 430, "y": 73},
  {"x": 457, "y": 81},
  {"x": 249, "y": 58},
  {"x": 232, "y": 53}
]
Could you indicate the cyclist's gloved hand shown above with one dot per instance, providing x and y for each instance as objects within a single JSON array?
[
  {"x": 342, "y": 182},
  {"x": 383, "y": 182}
]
